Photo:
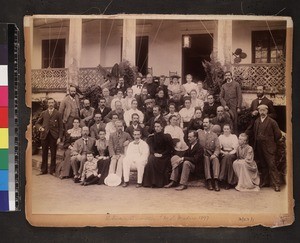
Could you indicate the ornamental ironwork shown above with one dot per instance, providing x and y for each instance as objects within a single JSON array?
[{"x": 272, "y": 76}]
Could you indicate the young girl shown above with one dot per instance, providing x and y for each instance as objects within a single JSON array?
[{"x": 245, "y": 167}]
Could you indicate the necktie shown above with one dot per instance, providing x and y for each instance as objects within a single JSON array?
[{"x": 50, "y": 112}]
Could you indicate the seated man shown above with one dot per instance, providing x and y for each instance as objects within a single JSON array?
[
  {"x": 222, "y": 118},
  {"x": 210, "y": 142},
  {"x": 89, "y": 174},
  {"x": 81, "y": 148},
  {"x": 86, "y": 113},
  {"x": 135, "y": 124},
  {"x": 157, "y": 116},
  {"x": 102, "y": 108},
  {"x": 119, "y": 111},
  {"x": 117, "y": 143},
  {"x": 136, "y": 157},
  {"x": 190, "y": 162},
  {"x": 98, "y": 125}
]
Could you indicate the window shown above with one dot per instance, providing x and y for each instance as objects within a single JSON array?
[
  {"x": 53, "y": 53},
  {"x": 267, "y": 48}
]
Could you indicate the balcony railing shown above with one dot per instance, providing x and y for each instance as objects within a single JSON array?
[
  {"x": 49, "y": 79},
  {"x": 272, "y": 76}
]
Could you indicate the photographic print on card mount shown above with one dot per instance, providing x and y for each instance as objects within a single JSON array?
[{"x": 191, "y": 112}]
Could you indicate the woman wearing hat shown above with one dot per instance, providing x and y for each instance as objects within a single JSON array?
[{"x": 175, "y": 86}]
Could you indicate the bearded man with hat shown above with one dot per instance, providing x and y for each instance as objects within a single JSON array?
[{"x": 266, "y": 134}]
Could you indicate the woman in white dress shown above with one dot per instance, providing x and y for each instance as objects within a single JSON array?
[
  {"x": 228, "y": 144},
  {"x": 176, "y": 132},
  {"x": 245, "y": 167}
]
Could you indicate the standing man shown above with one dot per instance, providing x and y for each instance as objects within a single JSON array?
[
  {"x": 86, "y": 113},
  {"x": 50, "y": 126},
  {"x": 98, "y": 125},
  {"x": 69, "y": 108},
  {"x": 136, "y": 157},
  {"x": 266, "y": 135},
  {"x": 135, "y": 125},
  {"x": 262, "y": 100},
  {"x": 189, "y": 163},
  {"x": 157, "y": 116},
  {"x": 210, "y": 142},
  {"x": 231, "y": 97},
  {"x": 117, "y": 143},
  {"x": 137, "y": 88},
  {"x": 107, "y": 97}
]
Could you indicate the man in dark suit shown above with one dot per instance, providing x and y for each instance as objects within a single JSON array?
[
  {"x": 262, "y": 100},
  {"x": 102, "y": 108},
  {"x": 157, "y": 116},
  {"x": 210, "y": 142},
  {"x": 266, "y": 135},
  {"x": 50, "y": 126},
  {"x": 98, "y": 125},
  {"x": 81, "y": 147},
  {"x": 150, "y": 85},
  {"x": 135, "y": 124},
  {"x": 189, "y": 163},
  {"x": 222, "y": 118}
]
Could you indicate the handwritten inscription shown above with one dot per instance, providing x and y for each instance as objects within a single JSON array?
[{"x": 246, "y": 219}]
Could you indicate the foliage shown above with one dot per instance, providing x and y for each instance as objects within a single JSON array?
[{"x": 93, "y": 93}]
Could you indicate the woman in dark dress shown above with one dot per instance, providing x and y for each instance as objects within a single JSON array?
[
  {"x": 161, "y": 148},
  {"x": 196, "y": 122},
  {"x": 102, "y": 155},
  {"x": 161, "y": 100},
  {"x": 72, "y": 135}
]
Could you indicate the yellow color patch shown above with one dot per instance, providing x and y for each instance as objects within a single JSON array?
[{"x": 3, "y": 138}]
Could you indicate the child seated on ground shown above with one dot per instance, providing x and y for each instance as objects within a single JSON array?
[
  {"x": 245, "y": 167},
  {"x": 89, "y": 174}
]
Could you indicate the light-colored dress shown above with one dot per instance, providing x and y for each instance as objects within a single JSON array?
[
  {"x": 177, "y": 132},
  {"x": 246, "y": 169}
]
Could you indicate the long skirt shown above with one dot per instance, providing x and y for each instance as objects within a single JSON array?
[
  {"x": 226, "y": 171},
  {"x": 103, "y": 168},
  {"x": 156, "y": 171},
  {"x": 247, "y": 173},
  {"x": 64, "y": 168}
]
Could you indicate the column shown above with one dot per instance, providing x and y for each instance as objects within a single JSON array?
[
  {"x": 224, "y": 39},
  {"x": 129, "y": 40},
  {"x": 74, "y": 50}
]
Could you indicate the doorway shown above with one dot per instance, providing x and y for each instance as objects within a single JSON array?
[
  {"x": 141, "y": 58},
  {"x": 200, "y": 48}
]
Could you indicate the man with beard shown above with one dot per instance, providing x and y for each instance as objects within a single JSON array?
[
  {"x": 231, "y": 97},
  {"x": 210, "y": 107},
  {"x": 191, "y": 162},
  {"x": 86, "y": 113},
  {"x": 262, "y": 100},
  {"x": 150, "y": 86},
  {"x": 50, "y": 127},
  {"x": 157, "y": 116},
  {"x": 135, "y": 125},
  {"x": 210, "y": 142},
  {"x": 266, "y": 135},
  {"x": 107, "y": 97},
  {"x": 137, "y": 88},
  {"x": 81, "y": 148},
  {"x": 222, "y": 118},
  {"x": 116, "y": 147},
  {"x": 142, "y": 98},
  {"x": 163, "y": 86},
  {"x": 118, "y": 111},
  {"x": 149, "y": 110},
  {"x": 161, "y": 148},
  {"x": 69, "y": 108}
]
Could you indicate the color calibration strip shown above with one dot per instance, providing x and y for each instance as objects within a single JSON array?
[{"x": 8, "y": 152}]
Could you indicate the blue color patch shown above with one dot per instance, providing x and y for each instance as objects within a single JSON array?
[
  {"x": 3, "y": 180},
  {"x": 4, "y": 205}
]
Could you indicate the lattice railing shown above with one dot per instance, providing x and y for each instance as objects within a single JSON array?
[
  {"x": 88, "y": 77},
  {"x": 272, "y": 76},
  {"x": 49, "y": 79}
]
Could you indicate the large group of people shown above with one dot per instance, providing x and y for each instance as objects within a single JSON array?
[{"x": 165, "y": 133}]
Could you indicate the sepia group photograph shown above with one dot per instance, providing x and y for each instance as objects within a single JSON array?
[{"x": 159, "y": 120}]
